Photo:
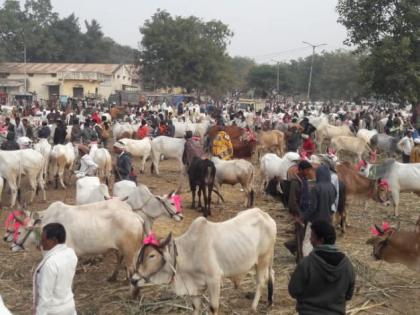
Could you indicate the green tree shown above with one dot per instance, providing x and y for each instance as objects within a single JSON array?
[
  {"x": 185, "y": 52},
  {"x": 241, "y": 66},
  {"x": 388, "y": 32}
]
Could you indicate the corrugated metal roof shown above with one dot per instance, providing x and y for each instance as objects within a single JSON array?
[{"x": 19, "y": 68}]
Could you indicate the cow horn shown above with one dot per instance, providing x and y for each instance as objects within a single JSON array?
[
  {"x": 179, "y": 188},
  {"x": 379, "y": 229}
]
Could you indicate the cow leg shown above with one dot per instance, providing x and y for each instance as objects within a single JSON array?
[
  {"x": 218, "y": 187},
  {"x": 199, "y": 197},
  {"x": 396, "y": 201},
  {"x": 214, "y": 296},
  {"x": 33, "y": 185},
  {"x": 61, "y": 177},
  {"x": 209, "y": 192},
  {"x": 193, "y": 196},
  {"x": 13, "y": 192},
  {"x": 143, "y": 163},
  {"x": 114, "y": 274},
  {"x": 196, "y": 301}
]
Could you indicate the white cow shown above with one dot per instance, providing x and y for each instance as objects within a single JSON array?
[
  {"x": 235, "y": 172},
  {"x": 366, "y": 134},
  {"x": 272, "y": 166},
  {"x": 327, "y": 132},
  {"x": 62, "y": 157},
  {"x": 138, "y": 148},
  {"x": 123, "y": 188},
  {"x": 89, "y": 190},
  {"x": 350, "y": 144},
  {"x": 44, "y": 148},
  {"x": 171, "y": 148},
  {"x": 121, "y": 130},
  {"x": 92, "y": 229},
  {"x": 102, "y": 158},
  {"x": 198, "y": 260},
  {"x": 24, "y": 142},
  {"x": 14, "y": 164},
  {"x": 401, "y": 177}
]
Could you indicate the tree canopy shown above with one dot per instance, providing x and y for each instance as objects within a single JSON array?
[
  {"x": 388, "y": 33},
  {"x": 185, "y": 52},
  {"x": 49, "y": 38}
]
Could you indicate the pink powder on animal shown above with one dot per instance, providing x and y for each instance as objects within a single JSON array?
[
  {"x": 176, "y": 199},
  {"x": 151, "y": 240},
  {"x": 13, "y": 223}
]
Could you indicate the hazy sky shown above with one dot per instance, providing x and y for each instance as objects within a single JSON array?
[{"x": 264, "y": 29}]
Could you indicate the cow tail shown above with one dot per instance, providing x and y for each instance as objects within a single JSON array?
[
  {"x": 19, "y": 195},
  {"x": 251, "y": 188},
  {"x": 152, "y": 166}
]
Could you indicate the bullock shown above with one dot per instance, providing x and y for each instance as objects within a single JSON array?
[
  {"x": 102, "y": 158},
  {"x": 202, "y": 173},
  {"x": 44, "y": 148},
  {"x": 327, "y": 132},
  {"x": 207, "y": 252},
  {"x": 123, "y": 188},
  {"x": 89, "y": 190},
  {"x": 169, "y": 147},
  {"x": 62, "y": 157},
  {"x": 24, "y": 143},
  {"x": 401, "y": 178},
  {"x": 138, "y": 148},
  {"x": 14, "y": 164},
  {"x": 272, "y": 166},
  {"x": 271, "y": 141},
  {"x": 395, "y": 246},
  {"x": 124, "y": 130},
  {"x": 106, "y": 225},
  {"x": 350, "y": 144},
  {"x": 235, "y": 172}
]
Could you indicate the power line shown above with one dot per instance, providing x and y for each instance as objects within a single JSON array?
[{"x": 280, "y": 52}]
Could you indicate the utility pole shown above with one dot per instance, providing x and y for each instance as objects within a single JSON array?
[
  {"x": 312, "y": 64},
  {"x": 278, "y": 75},
  {"x": 24, "y": 66}
]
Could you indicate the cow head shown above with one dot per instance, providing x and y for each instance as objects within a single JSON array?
[
  {"x": 156, "y": 262},
  {"x": 172, "y": 205},
  {"x": 14, "y": 221},
  {"x": 28, "y": 235},
  {"x": 395, "y": 246},
  {"x": 382, "y": 192}
]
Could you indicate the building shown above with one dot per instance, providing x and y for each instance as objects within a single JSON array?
[{"x": 50, "y": 81}]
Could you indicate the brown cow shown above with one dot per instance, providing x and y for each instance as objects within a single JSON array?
[
  {"x": 241, "y": 148},
  {"x": 270, "y": 141},
  {"x": 394, "y": 246}
]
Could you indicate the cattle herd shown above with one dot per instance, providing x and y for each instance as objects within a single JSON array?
[{"x": 349, "y": 138}]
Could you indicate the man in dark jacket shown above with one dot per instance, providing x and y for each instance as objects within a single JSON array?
[
  {"x": 10, "y": 144},
  {"x": 170, "y": 129},
  {"x": 60, "y": 133},
  {"x": 28, "y": 129},
  {"x": 293, "y": 140},
  {"x": 122, "y": 167},
  {"x": 45, "y": 131},
  {"x": 322, "y": 200},
  {"x": 76, "y": 133},
  {"x": 323, "y": 281}
]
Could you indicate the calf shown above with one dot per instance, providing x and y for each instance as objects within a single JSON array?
[
  {"x": 271, "y": 141},
  {"x": 207, "y": 252},
  {"x": 235, "y": 172},
  {"x": 395, "y": 246},
  {"x": 202, "y": 173}
]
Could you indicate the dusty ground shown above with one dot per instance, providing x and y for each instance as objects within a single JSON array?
[{"x": 387, "y": 289}]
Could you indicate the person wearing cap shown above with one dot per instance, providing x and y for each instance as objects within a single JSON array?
[
  {"x": 10, "y": 144},
  {"x": 406, "y": 144},
  {"x": 192, "y": 149},
  {"x": 122, "y": 166},
  {"x": 415, "y": 153},
  {"x": 88, "y": 166},
  {"x": 45, "y": 131}
]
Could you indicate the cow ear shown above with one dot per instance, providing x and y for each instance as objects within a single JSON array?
[{"x": 166, "y": 241}]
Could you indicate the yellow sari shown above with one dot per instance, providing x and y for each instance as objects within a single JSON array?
[{"x": 222, "y": 146}]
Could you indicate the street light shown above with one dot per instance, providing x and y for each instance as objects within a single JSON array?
[{"x": 312, "y": 64}]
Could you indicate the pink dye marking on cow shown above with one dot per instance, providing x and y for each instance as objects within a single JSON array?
[
  {"x": 15, "y": 220},
  {"x": 151, "y": 240},
  {"x": 176, "y": 199}
]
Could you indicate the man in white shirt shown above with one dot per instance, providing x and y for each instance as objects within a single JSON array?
[
  {"x": 406, "y": 144},
  {"x": 88, "y": 166},
  {"x": 53, "y": 278}
]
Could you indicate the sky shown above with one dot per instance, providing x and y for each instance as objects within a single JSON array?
[{"x": 265, "y": 30}]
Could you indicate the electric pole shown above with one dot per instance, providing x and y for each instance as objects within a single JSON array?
[
  {"x": 312, "y": 64},
  {"x": 278, "y": 75}
]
